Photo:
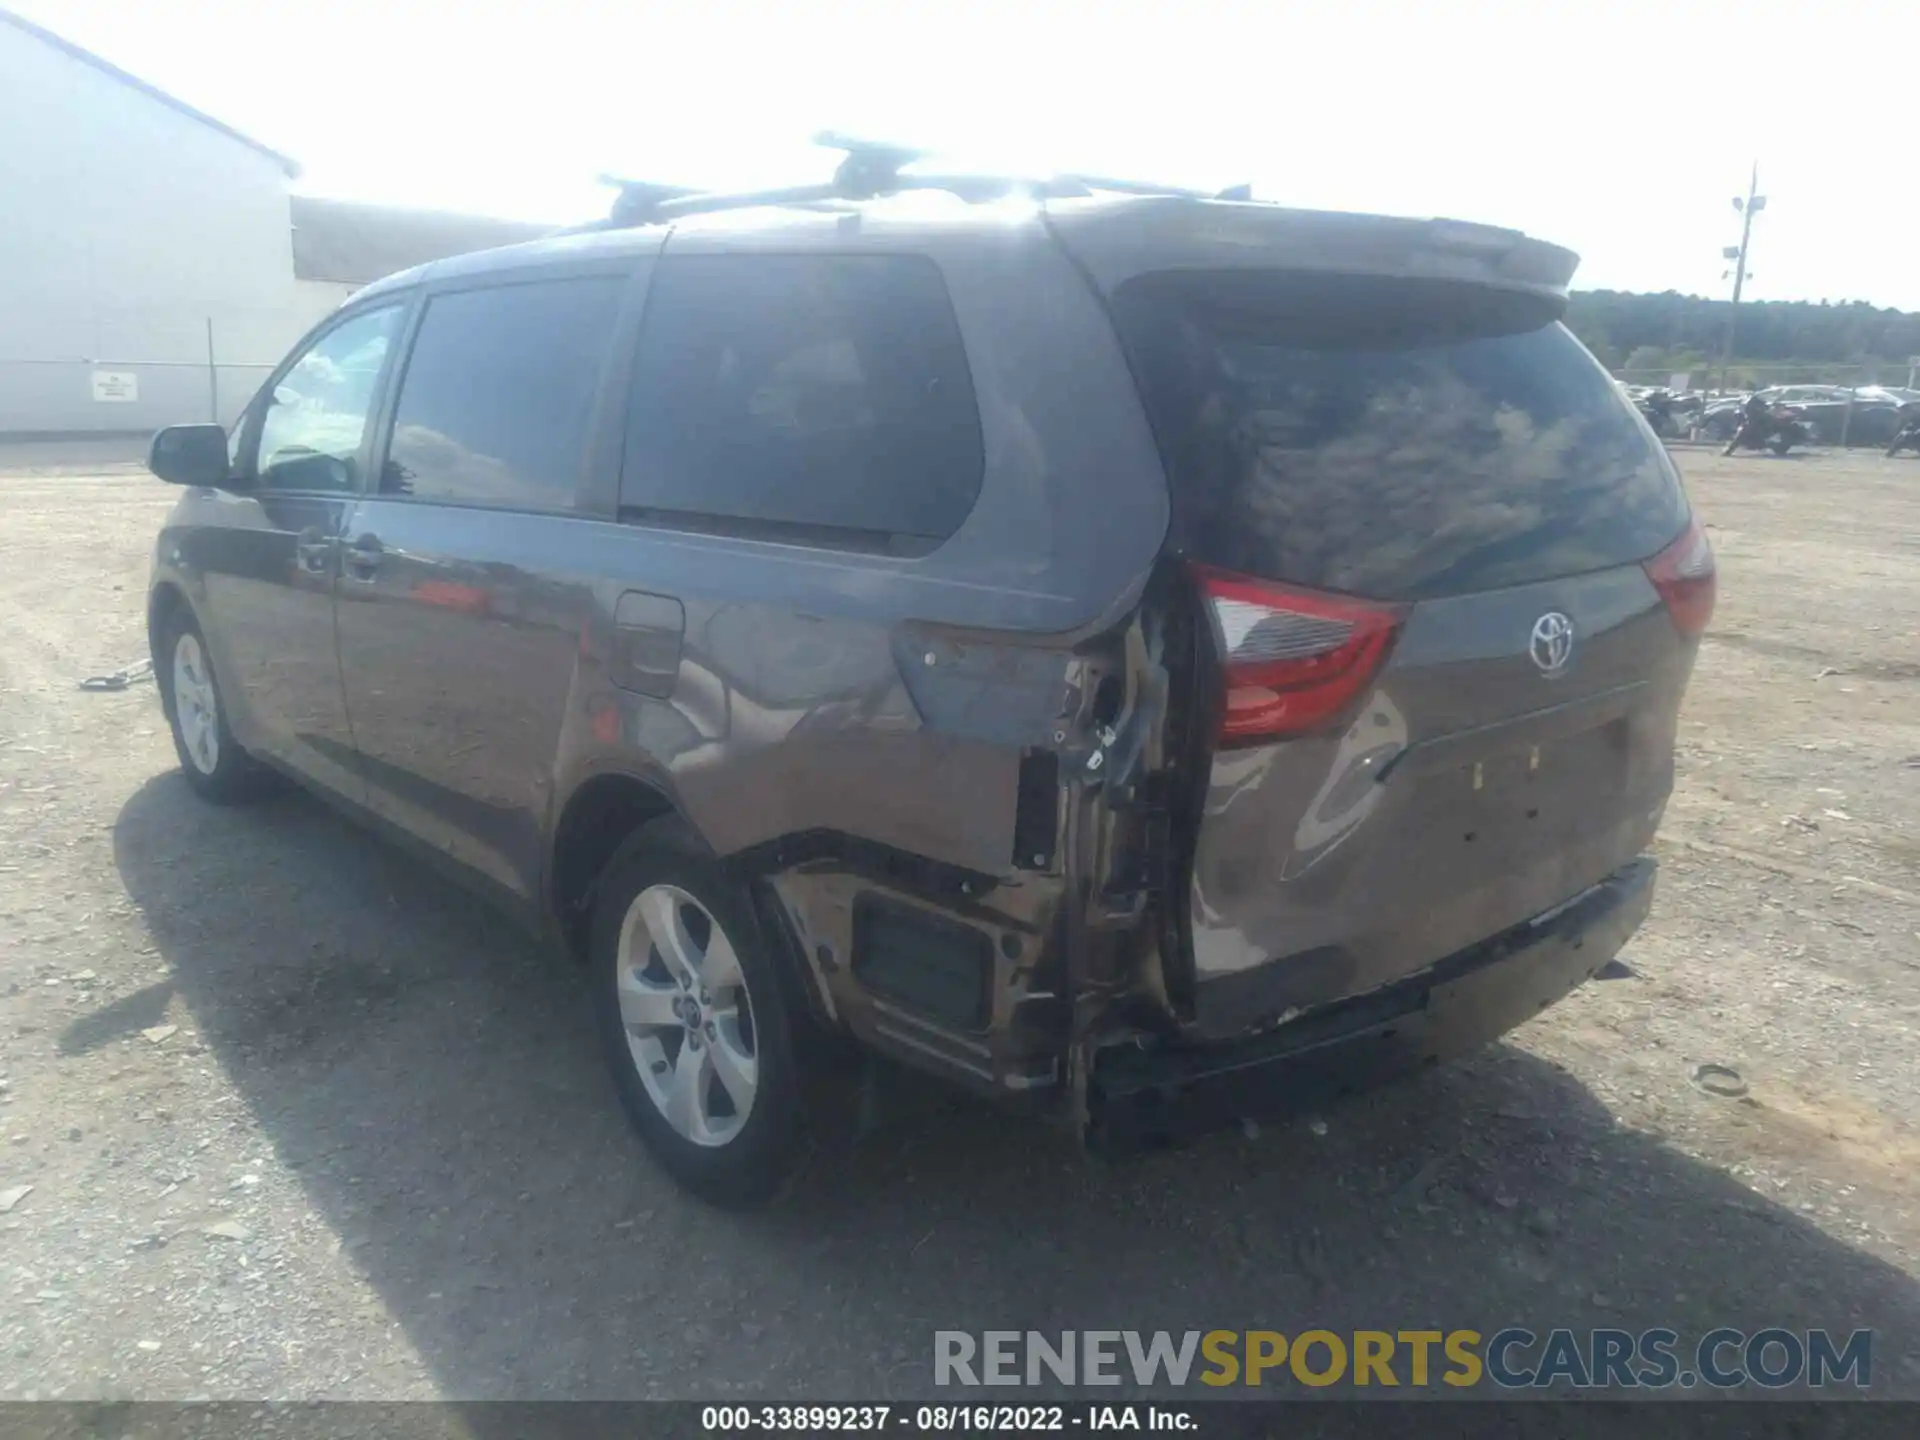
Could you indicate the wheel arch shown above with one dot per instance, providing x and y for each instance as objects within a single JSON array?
[
  {"x": 166, "y": 600},
  {"x": 599, "y": 816}
]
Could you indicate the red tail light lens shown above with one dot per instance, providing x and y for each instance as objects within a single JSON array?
[
  {"x": 1683, "y": 573},
  {"x": 1295, "y": 660}
]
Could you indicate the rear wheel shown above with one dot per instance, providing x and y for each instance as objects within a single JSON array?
[
  {"x": 210, "y": 758},
  {"x": 694, "y": 1022}
]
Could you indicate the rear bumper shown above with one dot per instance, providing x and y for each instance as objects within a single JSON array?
[{"x": 1143, "y": 1098}]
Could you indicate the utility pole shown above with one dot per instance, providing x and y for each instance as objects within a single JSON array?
[{"x": 1752, "y": 205}]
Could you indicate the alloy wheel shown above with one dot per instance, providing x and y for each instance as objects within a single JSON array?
[
  {"x": 196, "y": 708},
  {"x": 688, "y": 1018}
]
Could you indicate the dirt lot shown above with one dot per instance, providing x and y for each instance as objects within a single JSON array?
[{"x": 299, "y": 1122}]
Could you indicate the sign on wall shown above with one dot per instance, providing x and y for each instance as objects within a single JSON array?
[{"x": 116, "y": 385}]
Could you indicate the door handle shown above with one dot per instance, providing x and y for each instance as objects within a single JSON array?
[
  {"x": 313, "y": 551},
  {"x": 363, "y": 557}
]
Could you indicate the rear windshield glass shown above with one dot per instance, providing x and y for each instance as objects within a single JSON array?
[{"x": 1389, "y": 438}]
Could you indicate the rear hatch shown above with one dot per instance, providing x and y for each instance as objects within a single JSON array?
[{"x": 1441, "y": 596}]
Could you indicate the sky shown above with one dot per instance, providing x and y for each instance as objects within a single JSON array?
[{"x": 1622, "y": 128}]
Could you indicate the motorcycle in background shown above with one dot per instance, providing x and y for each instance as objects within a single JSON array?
[
  {"x": 1657, "y": 407},
  {"x": 1777, "y": 429},
  {"x": 1907, "y": 436}
]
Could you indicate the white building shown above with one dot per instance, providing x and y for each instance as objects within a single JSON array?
[{"x": 152, "y": 264}]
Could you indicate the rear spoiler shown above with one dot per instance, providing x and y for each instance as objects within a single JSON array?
[{"x": 1117, "y": 238}]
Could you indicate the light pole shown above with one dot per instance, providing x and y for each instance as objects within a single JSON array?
[{"x": 1751, "y": 206}]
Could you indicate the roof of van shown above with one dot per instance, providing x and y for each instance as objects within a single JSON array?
[{"x": 1114, "y": 236}]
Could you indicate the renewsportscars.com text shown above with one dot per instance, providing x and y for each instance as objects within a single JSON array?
[{"x": 1511, "y": 1358}]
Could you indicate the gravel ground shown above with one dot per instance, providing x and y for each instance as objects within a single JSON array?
[{"x": 298, "y": 1122}]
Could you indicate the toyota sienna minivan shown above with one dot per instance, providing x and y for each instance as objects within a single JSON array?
[{"x": 1148, "y": 659}]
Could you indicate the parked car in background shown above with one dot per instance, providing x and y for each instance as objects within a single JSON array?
[
  {"x": 1117, "y": 656},
  {"x": 1892, "y": 394},
  {"x": 1844, "y": 420},
  {"x": 1671, "y": 415},
  {"x": 1830, "y": 414}
]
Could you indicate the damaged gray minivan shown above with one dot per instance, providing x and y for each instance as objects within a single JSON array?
[{"x": 1149, "y": 659}]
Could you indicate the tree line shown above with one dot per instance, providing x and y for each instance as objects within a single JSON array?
[{"x": 1672, "y": 331}]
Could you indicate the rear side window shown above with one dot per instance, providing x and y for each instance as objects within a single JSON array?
[
  {"x": 1389, "y": 438},
  {"x": 498, "y": 394},
  {"x": 812, "y": 397}
]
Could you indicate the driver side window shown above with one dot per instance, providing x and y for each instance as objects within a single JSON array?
[{"x": 318, "y": 410}]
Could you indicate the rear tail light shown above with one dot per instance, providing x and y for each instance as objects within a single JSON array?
[
  {"x": 1683, "y": 573},
  {"x": 1295, "y": 660}
]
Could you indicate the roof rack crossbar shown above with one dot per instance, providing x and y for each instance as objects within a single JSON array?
[
  {"x": 1139, "y": 187},
  {"x": 742, "y": 199},
  {"x": 637, "y": 198},
  {"x": 979, "y": 188},
  {"x": 868, "y": 170},
  {"x": 870, "y": 167}
]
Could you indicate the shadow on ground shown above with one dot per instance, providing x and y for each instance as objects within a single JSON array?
[{"x": 432, "y": 1080}]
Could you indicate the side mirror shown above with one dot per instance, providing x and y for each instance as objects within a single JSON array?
[{"x": 190, "y": 455}]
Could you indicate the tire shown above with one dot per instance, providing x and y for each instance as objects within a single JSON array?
[
  {"x": 1780, "y": 444},
  {"x": 699, "y": 1036},
  {"x": 214, "y": 764}
]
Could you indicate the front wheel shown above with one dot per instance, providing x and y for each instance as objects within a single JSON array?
[
  {"x": 210, "y": 758},
  {"x": 694, "y": 1022}
]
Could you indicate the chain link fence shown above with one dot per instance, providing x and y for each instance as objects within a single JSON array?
[
  {"x": 1742, "y": 377},
  {"x": 1840, "y": 405},
  {"x": 70, "y": 397}
]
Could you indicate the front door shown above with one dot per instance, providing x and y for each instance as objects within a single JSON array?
[{"x": 269, "y": 554}]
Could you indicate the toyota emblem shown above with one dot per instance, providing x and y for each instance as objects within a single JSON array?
[{"x": 1552, "y": 642}]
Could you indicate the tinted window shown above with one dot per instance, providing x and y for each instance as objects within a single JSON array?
[
  {"x": 1397, "y": 439},
  {"x": 313, "y": 421},
  {"x": 813, "y": 394},
  {"x": 498, "y": 392}
]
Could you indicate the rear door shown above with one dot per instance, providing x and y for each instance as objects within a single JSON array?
[
  {"x": 1433, "y": 684},
  {"x": 462, "y": 599}
]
